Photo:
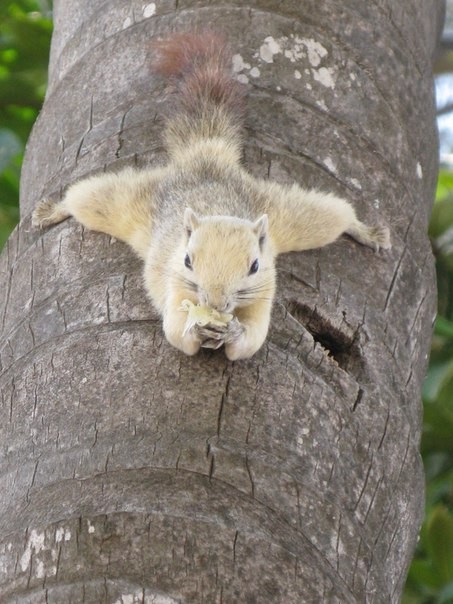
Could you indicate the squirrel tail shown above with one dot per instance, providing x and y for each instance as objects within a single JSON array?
[{"x": 208, "y": 102}]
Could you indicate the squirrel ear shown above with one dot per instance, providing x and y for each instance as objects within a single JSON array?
[
  {"x": 190, "y": 221},
  {"x": 261, "y": 227}
]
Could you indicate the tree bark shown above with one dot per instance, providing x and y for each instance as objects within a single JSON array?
[{"x": 132, "y": 473}]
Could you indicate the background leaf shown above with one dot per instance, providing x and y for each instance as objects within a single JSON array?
[
  {"x": 25, "y": 31},
  {"x": 439, "y": 540}
]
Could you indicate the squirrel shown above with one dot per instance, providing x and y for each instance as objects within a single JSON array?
[{"x": 207, "y": 231}]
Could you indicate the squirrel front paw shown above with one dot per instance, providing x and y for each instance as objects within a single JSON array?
[
  {"x": 188, "y": 343},
  {"x": 242, "y": 341},
  {"x": 210, "y": 336},
  {"x": 214, "y": 335},
  {"x": 235, "y": 330}
]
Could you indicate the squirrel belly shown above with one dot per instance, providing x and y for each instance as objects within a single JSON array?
[
  {"x": 207, "y": 231},
  {"x": 210, "y": 244}
]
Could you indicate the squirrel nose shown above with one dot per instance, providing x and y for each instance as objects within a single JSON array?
[
  {"x": 216, "y": 300},
  {"x": 220, "y": 304},
  {"x": 221, "y": 307}
]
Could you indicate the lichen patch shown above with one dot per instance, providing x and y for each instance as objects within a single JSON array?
[
  {"x": 239, "y": 64},
  {"x": 269, "y": 48},
  {"x": 328, "y": 162},
  {"x": 325, "y": 76},
  {"x": 35, "y": 543},
  {"x": 149, "y": 10},
  {"x": 315, "y": 50}
]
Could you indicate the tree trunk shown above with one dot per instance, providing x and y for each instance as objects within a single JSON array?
[{"x": 132, "y": 473}]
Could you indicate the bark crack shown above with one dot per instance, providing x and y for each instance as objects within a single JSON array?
[
  {"x": 223, "y": 400},
  {"x": 247, "y": 465},
  {"x": 236, "y": 534},
  {"x": 120, "y": 135},
  {"x": 365, "y": 483},
  {"x": 393, "y": 281},
  {"x": 358, "y": 399},
  {"x": 8, "y": 294}
]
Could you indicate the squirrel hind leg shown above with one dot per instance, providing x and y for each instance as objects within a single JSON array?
[
  {"x": 49, "y": 212},
  {"x": 375, "y": 237}
]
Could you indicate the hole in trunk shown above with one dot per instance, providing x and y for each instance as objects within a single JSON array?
[{"x": 338, "y": 340}]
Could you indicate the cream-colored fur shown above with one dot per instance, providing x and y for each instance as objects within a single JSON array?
[
  {"x": 223, "y": 234},
  {"x": 120, "y": 205}
]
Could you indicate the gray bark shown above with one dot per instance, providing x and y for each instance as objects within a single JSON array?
[{"x": 131, "y": 473}]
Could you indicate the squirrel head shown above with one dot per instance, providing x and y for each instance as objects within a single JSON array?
[{"x": 229, "y": 261}]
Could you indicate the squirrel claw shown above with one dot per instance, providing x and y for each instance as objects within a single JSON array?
[
  {"x": 234, "y": 331},
  {"x": 210, "y": 332},
  {"x": 214, "y": 336},
  {"x": 213, "y": 344}
]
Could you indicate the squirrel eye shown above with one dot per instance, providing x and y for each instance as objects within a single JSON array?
[
  {"x": 187, "y": 262},
  {"x": 254, "y": 268}
]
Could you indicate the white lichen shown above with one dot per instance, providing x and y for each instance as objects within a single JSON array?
[
  {"x": 160, "y": 599},
  {"x": 125, "y": 599},
  {"x": 355, "y": 183},
  {"x": 328, "y": 162},
  {"x": 243, "y": 78},
  {"x": 255, "y": 72},
  {"x": 35, "y": 543},
  {"x": 149, "y": 10},
  {"x": 297, "y": 74},
  {"x": 239, "y": 64},
  {"x": 325, "y": 76},
  {"x": 269, "y": 48},
  {"x": 62, "y": 534},
  {"x": 137, "y": 597},
  {"x": 315, "y": 50},
  {"x": 293, "y": 48},
  {"x": 39, "y": 570}
]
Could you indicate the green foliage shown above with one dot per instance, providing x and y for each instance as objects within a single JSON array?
[
  {"x": 430, "y": 578},
  {"x": 441, "y": 231},
  {"x": 25, "y": 30}
]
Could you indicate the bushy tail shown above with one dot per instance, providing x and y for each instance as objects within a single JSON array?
[{"x": 206, "y": 101}]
